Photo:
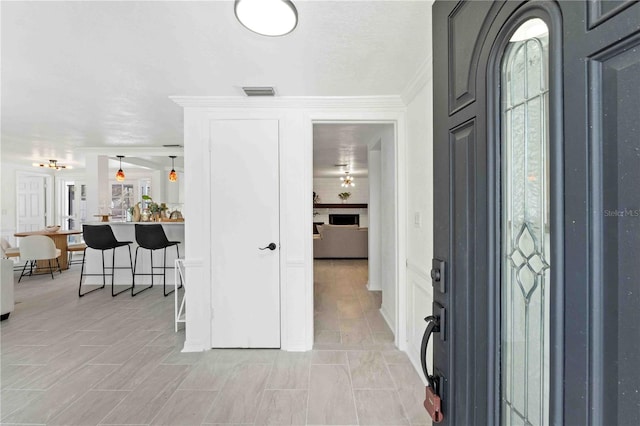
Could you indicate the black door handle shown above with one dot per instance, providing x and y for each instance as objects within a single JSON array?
[
  {"x": 433, "y": 326},
  {"x": 271, "y": 246},
  {"x": 433, "y": 401}
]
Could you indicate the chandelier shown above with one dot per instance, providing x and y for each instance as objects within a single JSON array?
[
  {"x": 347, "y": 180},
  {"x": 52, "y": 164}
]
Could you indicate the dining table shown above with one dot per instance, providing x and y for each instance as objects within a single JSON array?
[{"x": 60, "y": 240}]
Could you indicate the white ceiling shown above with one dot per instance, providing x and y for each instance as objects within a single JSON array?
[
  {"x": 99, "y": 74},
  {"x": 344, "y": 143}
]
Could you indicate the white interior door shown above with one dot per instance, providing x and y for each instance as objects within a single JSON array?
[
  {"x": 245, "y": 218},
  {"x": 31, "y": 203}
]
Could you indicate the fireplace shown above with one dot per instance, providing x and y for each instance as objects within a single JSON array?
[{"x": 344, "y": 219}]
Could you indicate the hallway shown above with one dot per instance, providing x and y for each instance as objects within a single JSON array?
[
  {"x": 347, "y": 315},
  {"x": 350, "y": 329}
]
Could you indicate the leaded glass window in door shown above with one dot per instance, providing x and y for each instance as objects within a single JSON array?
[{"x": 525, "y": 227}]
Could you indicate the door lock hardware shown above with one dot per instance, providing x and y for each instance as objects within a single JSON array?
[
  {"x": 438, "y": 274},
  {"x": 433, "y": 400},
  {"x": 271, "y": 246}
]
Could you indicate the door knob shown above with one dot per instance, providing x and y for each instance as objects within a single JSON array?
[{"x": 271, "y": 246}]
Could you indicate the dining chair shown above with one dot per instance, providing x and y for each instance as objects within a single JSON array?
[
  {"x": 7, "y": 250},
  {"x": 75, "y": 247},
  {"x": 38, "y": 247}
]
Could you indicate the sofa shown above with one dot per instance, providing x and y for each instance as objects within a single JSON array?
[
  {"x": 341, "y": 242},
  {"x": 6, "y": 288}
]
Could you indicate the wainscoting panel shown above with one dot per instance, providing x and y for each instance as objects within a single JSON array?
[{"x": 419, "y": 300}]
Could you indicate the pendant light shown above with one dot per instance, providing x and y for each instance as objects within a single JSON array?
[
  {"x": 173, "y": 176},
  {"x": 120, "y": 173}
]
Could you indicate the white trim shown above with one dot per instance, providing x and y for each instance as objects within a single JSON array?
[
  {"x": 194, "y": 348},
  {"x": 193, "y": 262},
  {"x": 297, "y": 115},
  {"x": 397, "y": 118},
  {"x": 132, "y": 151},
  {"x": 423, "y": 75},
  {"x": 401, "y": 234},
  {"x": 369, "y": 103},
  {"x": 419, "y": 270},
  {"x": 385, "y": 315}
]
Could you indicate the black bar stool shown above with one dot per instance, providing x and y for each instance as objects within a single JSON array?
[
  {"x": 100, "y": 237},
  {"x": 152, "y": 237}
]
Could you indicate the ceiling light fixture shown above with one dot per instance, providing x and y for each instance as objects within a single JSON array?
[
  {"x": 267, "y": 17},
  {"x": 120, "y": 174},
  {"x": 52, "y": 164},
  {"x": 347, "y": 180},
  {"x": 173, "y": 176}
]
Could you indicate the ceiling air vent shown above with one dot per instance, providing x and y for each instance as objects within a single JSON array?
[{"x": 259, "y": 91}]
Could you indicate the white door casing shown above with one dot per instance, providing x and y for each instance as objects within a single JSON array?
[
  {"x": 296, "y": 116},
  {"x": 244, "y": 218},
  {"x": 31, "y": 203}
]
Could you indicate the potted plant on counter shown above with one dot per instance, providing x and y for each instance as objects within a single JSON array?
[{"x": 155, "y": 210}]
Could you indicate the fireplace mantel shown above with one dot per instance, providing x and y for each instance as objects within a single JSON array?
[{"x": 340, "y": 206}]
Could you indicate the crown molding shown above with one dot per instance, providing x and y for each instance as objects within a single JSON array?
[
  {"x": 423, "y": 75},
  {"x": 133, "y": 151},
  {"x": 377, "y": 103}
]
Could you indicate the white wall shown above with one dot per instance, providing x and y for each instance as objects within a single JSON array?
[
  {"x": 388, "y": 231},
  {"x": 375, "y": 270},
  {"x": 296, "y": 117},
  {"x": 419, "y": 215}
]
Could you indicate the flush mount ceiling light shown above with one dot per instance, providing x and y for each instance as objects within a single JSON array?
[
  {"x": 120, "y": 173},
  {"x": 267, "y": 17},
  {"x": 52, "y": 164},
  {"x": 347, "y": 180},
  {"x": 173, "y": 176}
]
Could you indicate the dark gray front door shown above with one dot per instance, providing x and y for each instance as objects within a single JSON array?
[{"x": 537, "y": 217}]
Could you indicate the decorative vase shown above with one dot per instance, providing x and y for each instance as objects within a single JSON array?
[
  {"x": 145, "y": 215},
  {"x": 136, "y": 213}
]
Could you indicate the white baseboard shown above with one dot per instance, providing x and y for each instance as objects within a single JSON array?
[
  {"x": 298, "y": 348},
  {"x": 385, "y": 315},
  {"x": 194, "y": 348}
]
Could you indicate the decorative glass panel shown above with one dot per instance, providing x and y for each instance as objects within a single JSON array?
[{"x": 525, "y": 227}]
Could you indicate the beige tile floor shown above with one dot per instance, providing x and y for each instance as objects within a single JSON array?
[{"x": 114, "y": 361}]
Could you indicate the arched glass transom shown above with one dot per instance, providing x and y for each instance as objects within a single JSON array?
[{"x": 525, "y": 226}]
